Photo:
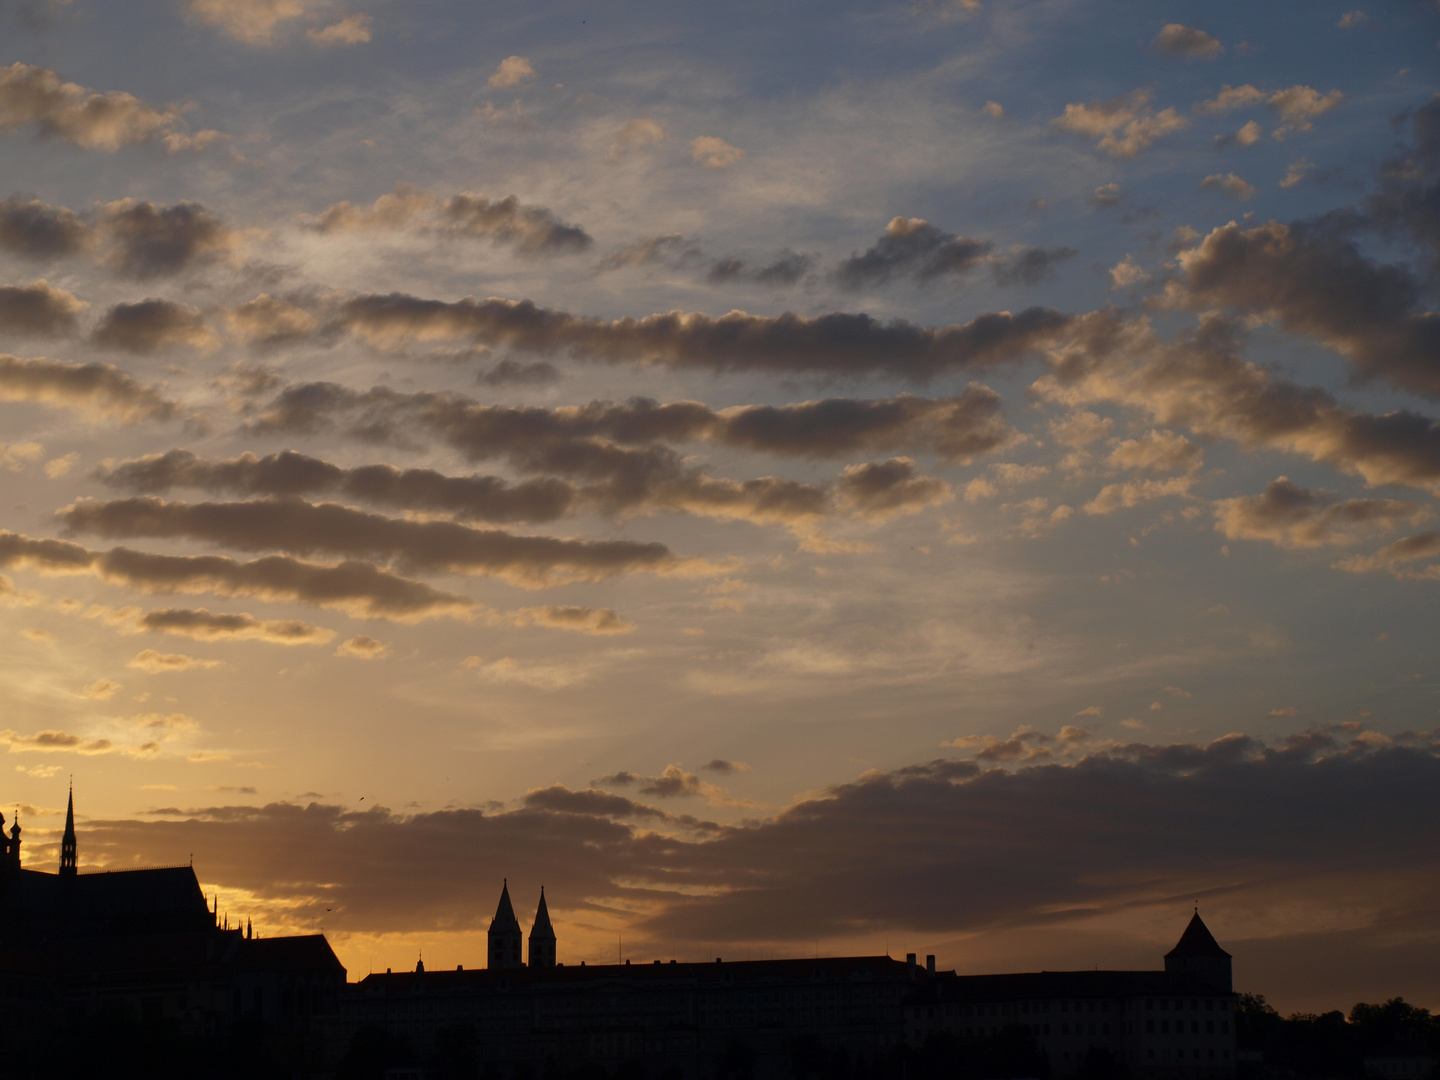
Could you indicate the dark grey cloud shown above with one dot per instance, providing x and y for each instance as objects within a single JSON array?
[
  {"x": 1407, "y": 202},
  {"x": 358, "y": 588},
  {"x": 149, "y": 241},
  {"x": 786, "y": 268},
  {"x": 509, "y": 372},
  {"x": 957, "y": 428},
  {"x": 329, "y": 529},
  {"x": 1029, "y": 266},
  {"x": 880, "y": 490},
  {"x": 99, "y": 389},
  {"x": 202, "y": 625},
  {"x": 39, "y": 310},
  {"x": 672, "y": 250},
  {"x": 832, "y": 344},
  {"x": 1242, "y": 822},
  {"x": 36, "y": 230},
  {"x": 149, "y": 326},
  {"x": 530, "y": 230},
  {"x": 1294, "y": 517},
  {"x": 477, "y": 498},
  {"x": 1319, "y": 284},
  {"x": 913, "y": 248}
]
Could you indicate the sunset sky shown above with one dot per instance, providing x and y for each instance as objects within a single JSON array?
[{"x": 932, "y": 476}]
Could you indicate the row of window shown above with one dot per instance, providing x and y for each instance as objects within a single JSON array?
[{"x": 1180, "y": 1027}]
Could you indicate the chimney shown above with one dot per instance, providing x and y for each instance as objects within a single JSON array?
[
  {"x": 910, "y": 964},
  {"x": 930, "y": 964}
]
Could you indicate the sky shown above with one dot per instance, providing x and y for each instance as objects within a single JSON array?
[{"x": 929, "y": 476}]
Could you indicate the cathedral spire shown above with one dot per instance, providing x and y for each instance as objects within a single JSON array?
[
  {"x": 542, "y": 937},
  {"x": 505, "y": 937},
  {"x": 69, "y": 863}
]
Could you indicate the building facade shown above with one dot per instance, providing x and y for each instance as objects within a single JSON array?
[{"x": 685, "y": 1020}]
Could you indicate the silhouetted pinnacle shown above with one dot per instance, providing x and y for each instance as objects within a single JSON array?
[{"x": 1197, "y": 941}]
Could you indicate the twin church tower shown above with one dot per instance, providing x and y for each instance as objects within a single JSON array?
[{"x": 504, "y": 951}]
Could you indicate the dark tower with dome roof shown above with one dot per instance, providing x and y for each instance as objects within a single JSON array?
[{"x": 1198, "y": 953}]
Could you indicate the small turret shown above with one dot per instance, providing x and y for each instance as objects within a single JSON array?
[
  {"x": 542, "y": 937},
  {"x": 505, "y": 936},
  {"x": 69, "y": 862},
  {"x": 1198, "y": 953}
]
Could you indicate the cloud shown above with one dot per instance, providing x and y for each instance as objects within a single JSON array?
[
  {"x": 1351, "y": 19},
  {"x": 913, "y": 248},
  {"x": 363, "y": 648},
  {"x": 994, "y": 110},
  {"x": 39, "y": 309},
  {"x": 55, "y": 468},
  {"x": 268, "y": 321},
  {"x": 528, "y": 230},
  {"x": 513, "y": 70},
  {"x": 351, "y": 30},
  {"x": 393, "y": 210},
  {"x": 880, "y": 490},
  {"x": 1179, "y": 40},
  {"x": 51, "y": 741},
  {"x": 94, "y": 121},
  {"x": 152, "y": 241},
  {"x": 99, "y": 389},
  {"x": 1290, "y": 516},
  {"x": 36, "y": 230},
  {"x": 585, "y": 620},
  {"x": 1296, "y": 171},
  {"x": 673, "y": 250},
  {"x": 720, "y": 765},
  {"x": 149, "y": 326},
  {"x": 1230, "y": 184},
  {"x": 250, "y": 21},
  {"x": 830, "y": 344},
  {"x": 675, "y": 782},
  {"x": 329, "y": 529},
  {"x": 1125, "y": 124},
  {"x": 1127, "y": 272},
  {"x": 636, "y": 134},
  {"x": 357, "y": 588},
  {"x": 478, "y": 498},
  {"x": 714, "y": 152},
  {"x": 156, "y": 663},
  {"x": 1296, "y": 106},
  {"x": 1393, "y": 557},
  {"x": 786, "y": 268},
  {"x": 1200, "y": 382},
  {"x": 1157, "y": 452},
  {"x": 1124, "y": 495},
  {"x": 1321, "y": 286},
  {"x": 202, "y": 625},
  {"x": 15, "y": 456},
  {"x": 1028, "y": 266},
  {"x": 99, "y": 690}
]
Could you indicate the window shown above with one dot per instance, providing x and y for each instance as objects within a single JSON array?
[
  {"x": 1164, "y": 1027},
  {"x": 1225, "y": 1027},
  {"x": 1194, "y": 1027},
  {"x": 1209, "y": 1027},
  {"x": 1149, "y": 1003},
  {"x": 1150, "y": 1029},
  {"x": 1209, "y": 1005},
  {"x": 1064, "y": 1029}
]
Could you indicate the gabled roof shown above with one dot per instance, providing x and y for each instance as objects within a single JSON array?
[
  {"x": 505, "y": 913},
  {"x": 542, "y": 927},
  {"x": 1197, "y": 941}
]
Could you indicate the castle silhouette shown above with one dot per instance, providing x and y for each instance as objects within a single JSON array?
[{"x": 75, "y": 945}]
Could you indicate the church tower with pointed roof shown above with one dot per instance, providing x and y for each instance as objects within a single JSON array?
[
  {"x": 1198, "y": 953},
  {"x": 542, "y": 937},
  {"x": 69, "y": 860},
  {"x": 505, "y": 935}
]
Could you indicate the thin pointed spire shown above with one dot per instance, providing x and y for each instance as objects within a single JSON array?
[{"x": 69, "y": 856}]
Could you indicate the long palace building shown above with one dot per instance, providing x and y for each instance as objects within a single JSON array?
[{"x": 690, "y": 1019}]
